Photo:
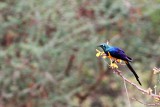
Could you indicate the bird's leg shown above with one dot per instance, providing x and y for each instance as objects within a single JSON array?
[
  {"x": 113, "y": 64},
  {"x": 110, "y": 60},
  {"x": 113, "y": 61}
]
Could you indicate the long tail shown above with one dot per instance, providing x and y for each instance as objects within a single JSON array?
[{"x": 130, "y": 67}]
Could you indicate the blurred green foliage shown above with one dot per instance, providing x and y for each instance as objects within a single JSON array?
[{"x": 47, "y": 51}]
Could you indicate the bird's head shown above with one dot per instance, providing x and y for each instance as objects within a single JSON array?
[{"x": 104, "y": 46}]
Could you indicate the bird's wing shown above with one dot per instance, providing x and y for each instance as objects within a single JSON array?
[{"x": 119, "y": 54}]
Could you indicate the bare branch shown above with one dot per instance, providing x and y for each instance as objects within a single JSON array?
[
  {"x": 155, "y": 104},
  {"x": 136, "y": 86}
]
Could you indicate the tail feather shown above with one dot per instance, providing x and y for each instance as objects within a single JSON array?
[
  {"x": 129, "y": 59},
  {"x": 135, "y": 74}
]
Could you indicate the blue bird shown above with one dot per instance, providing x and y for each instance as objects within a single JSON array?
[{"x": 116, "y": 53}]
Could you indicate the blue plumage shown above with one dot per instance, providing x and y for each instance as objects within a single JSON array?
[{"x": 118, "y": 53}]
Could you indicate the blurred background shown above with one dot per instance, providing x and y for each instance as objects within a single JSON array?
[{"x": 48, "y": 47}]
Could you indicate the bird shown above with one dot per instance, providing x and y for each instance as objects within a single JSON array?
[{"x": 117, "y": 53}]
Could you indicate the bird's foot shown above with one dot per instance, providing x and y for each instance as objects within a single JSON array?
[{"x": 113, "y": 65}]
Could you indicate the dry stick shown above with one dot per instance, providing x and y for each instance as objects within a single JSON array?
[
  {"x": 70, "y": 63},
  {"x": 136, "y": 86},
  {"x": 156, "y": 104},
  {"x": 127, "y": 93}
]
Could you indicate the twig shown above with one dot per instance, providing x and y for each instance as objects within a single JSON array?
[
  {"x": 127, "y": 93},
  {"x": 70, "y": 63},
  {"x": 136, "y": 86},
  {"x": 155, "y": 104}
]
